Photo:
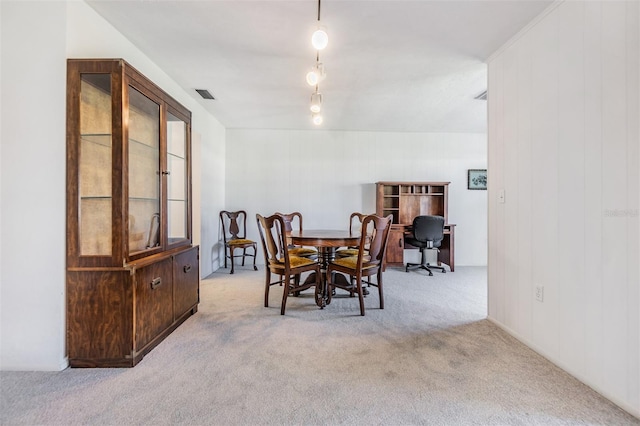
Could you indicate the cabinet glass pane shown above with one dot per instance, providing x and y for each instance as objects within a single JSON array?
[
  {"x": 144, "y": 172},
  {"x": 95, "y": 165},
  {"x": 177, "y": 178}
]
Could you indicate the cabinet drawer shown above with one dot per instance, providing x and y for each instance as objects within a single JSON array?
[
  {"x": 153, "y": 304},
  {"x": 186, "y": 281}
]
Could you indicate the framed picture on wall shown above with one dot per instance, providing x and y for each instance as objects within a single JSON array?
[{"x": 477, "y": 179}]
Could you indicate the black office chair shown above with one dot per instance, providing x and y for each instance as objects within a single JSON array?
[{"x": 428, "y": 232}]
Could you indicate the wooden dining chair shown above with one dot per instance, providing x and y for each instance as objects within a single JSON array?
[
  {"x": 290, "y": 220},
  {"x": 234, "y": 234},
  {"x": 355, "y": 225},
  {"x": 368, "y": 262},
  {"x": 281, "y": 262}
]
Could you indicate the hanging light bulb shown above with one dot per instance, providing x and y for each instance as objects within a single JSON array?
[
  {"x": 316, "y": 75},
  {"x": 320, "y": 39},
  {"x": 317, "y": 119},
  {"x": 316, "y": 101}
]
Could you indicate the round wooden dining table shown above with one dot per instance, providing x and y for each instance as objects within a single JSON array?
[{"x": 326, "y": 241}]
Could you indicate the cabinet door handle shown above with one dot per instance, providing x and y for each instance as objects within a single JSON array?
[
  {"x": 400, "y": 242},
  {"x": 186, "y": 268},
  {"x": 156, "y": 282}
]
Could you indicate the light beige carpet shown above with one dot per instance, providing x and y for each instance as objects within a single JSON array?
[{"x": 430, "y": 357}]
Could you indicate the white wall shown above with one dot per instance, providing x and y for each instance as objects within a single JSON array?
[
  {"x": 32, "y": 267},
  {"x": 564, "y": 144},
  {"x": 37, "y": 38},
  {"x": 327, "y": 175}
]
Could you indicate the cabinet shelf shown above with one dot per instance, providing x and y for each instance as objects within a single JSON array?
[
  {"x": 143, "y": 144},
  {"x": 98, "y": 139},
  {"x": 176, "y": 156},
  {"x": 143, "y": 199}
]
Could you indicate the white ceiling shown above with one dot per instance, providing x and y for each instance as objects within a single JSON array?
[{"x": 394, "y": 65}]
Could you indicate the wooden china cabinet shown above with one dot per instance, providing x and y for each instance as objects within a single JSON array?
[
  {"x": 132, "y": 271},
  {"x": 406, "y": 200}
]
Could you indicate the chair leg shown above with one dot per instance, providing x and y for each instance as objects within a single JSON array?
[
  {"x": 267, "y": 287},
  {"x": 232, "y": 258},
  {"x": 225, "y": 256},
  {"x": 285, "y": 294},
  {"x": 360, "y": 295},
  {"x": 255, "y": 254},
  {"x": 380, "y": 295},
  {"x": 296, "y": 283},
  {"x": 244, "y": 254}
]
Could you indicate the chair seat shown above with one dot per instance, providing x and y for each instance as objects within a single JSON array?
[
  {"x": 240, "y": 242},
  {"x": 302, "y": 251},
  {"x": 294, "y": 262},
  {"x": 347, "y": 252},
  {"x": 352, "y": 261}
]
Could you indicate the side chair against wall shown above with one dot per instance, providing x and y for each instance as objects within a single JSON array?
[
  {"x": 290, "y": 220},
  {"x": 428, "y": 233},
  {"x": 369, "y": 261},
  {"x": 280, "y": 262},
  {"x": 234, "y": 233}
]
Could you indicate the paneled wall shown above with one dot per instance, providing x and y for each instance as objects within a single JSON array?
[
  {"x": 564, "y": 146},
  {"x": 327, "y": 175}
]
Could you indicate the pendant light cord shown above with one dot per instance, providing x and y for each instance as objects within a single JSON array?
[{"x": 317, "y": 51}]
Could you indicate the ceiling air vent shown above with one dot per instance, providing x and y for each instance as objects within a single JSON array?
[
  {"x": 205, "y": 94},
  {"x": 482, "y": 96}
]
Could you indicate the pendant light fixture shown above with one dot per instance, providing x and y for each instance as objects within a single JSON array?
[
  {"x": 316, "y": 101},
  {"x": 319, "y": 41},
  {"x": 316, "y": 75}
]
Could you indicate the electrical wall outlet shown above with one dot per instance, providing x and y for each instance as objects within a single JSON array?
[
  {"x": 501, "y": 196},
  {"x": 540, "y": 293}
]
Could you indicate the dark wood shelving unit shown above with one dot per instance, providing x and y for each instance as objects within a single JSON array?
[{"x": 406, "y": 200}]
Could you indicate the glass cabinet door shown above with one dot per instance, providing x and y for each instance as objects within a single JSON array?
[
  {"x": 128, "y": 167},
  {"x": 95, "y": 166},
  {"x": 144, "y": 173},
  {"x": 177, "y": 179}
]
